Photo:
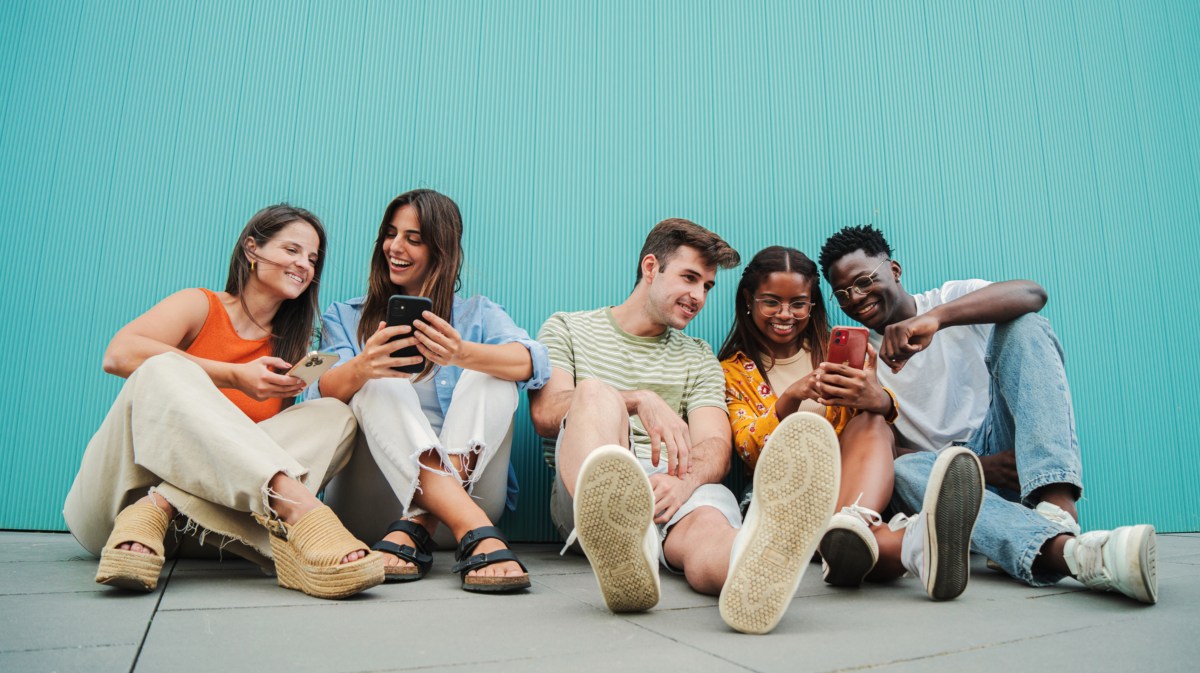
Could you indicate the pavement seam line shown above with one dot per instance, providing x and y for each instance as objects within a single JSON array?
[{"x": 162, "y": 592}]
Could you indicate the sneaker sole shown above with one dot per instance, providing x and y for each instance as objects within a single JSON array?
[
  {"x": 613, "y": 507},
  {"x": 1145, "y": 542},
  {"x": 951, "y": 506},
  {"x": 848, "y": 557},
  {"x": 795, "y": 491}
]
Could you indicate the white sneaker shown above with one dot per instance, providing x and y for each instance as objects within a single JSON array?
[
  {"x": 848, "y": 548},
  {"x": 1058, "y": 516},
  {"x": 1055, "y": 515},
  {"x": 937, "y": 543},
  {"x": 614, "y": 521},
  {"x": 795, "y": 489},
  {"x": 1124, "y": 559}
]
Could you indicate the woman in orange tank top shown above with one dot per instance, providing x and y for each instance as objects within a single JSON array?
[{"x": 204, "y": 431}]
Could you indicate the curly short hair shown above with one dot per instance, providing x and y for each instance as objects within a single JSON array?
[{"x": 860, "y": 237}]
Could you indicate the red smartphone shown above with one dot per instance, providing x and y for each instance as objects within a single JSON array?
[{"x": 847, "y": 346}]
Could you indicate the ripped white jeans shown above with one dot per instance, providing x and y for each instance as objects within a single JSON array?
[{"x": 396, "y": 433}]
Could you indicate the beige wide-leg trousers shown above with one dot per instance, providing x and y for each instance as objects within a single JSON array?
[{"x": 171, "y": 430}]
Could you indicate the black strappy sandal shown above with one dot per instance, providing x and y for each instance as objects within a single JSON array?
[
  {"x": 466, "y": 565},
  {"x": 419, "y": 556}
]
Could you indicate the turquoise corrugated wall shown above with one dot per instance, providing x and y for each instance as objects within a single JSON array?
[{"x": 1048, "y": 140}]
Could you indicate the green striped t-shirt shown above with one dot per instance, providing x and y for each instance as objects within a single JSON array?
[{"x": 680, "y": 369}]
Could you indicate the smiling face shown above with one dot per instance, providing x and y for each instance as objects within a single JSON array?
[
  {"x": 404, "y": 251},
  {"x": 883, "y": 301},
  {"x": 780, "y": 324},
  {"x": 678, "y": 291},
  {"x": 287, "y": 261}
]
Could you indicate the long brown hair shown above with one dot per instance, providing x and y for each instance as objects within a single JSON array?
[
  {"x": 744, "y": 336},
  {"x": 292, "y": 327},
  {"x": 441, "y": 232}
]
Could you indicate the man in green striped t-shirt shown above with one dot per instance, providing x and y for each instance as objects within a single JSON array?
[{"x": 636, "y": 426}]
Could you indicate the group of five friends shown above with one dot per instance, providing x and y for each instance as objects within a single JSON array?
[{"x": 959, "y": 425}]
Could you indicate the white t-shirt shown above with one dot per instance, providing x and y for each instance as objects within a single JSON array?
[{"x": 943, "y": 391}]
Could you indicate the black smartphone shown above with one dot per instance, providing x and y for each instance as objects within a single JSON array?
[{"x": 403, "y": 310}]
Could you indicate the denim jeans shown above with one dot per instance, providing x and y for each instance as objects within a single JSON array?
[{"x": 1031, "y": 414}]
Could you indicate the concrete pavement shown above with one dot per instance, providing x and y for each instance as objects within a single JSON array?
[{"x": 210, "y": 616}]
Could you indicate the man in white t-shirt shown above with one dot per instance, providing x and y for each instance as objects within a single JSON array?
[
  {"x": 971, "y": 363},
  {"x": 640, "y": 436}
]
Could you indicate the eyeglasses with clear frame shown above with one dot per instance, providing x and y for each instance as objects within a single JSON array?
[
  {"x": 860, "y": 286},
  {"x": 770, "y": 306}
]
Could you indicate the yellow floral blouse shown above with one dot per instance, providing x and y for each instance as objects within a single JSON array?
[{"x": 752, "y": 408}]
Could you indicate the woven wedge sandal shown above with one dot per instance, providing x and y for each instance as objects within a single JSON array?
[
  {"x": 308, "y": 556},
  {"x": 145, "y": 524}
]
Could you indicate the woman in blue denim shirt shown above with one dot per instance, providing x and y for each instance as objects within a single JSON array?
[{"x": 434, "y": 434}]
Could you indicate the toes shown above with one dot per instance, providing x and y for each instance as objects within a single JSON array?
[
  {"x": 135, "y": 547},
  {"x": 506, "y": 569},
  {"x": 393, "y": 561}
]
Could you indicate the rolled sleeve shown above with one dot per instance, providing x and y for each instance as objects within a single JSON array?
[{"x": 499, "y": 329}]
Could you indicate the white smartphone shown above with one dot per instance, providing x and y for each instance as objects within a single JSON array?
[{"x": 312, "y": 366}]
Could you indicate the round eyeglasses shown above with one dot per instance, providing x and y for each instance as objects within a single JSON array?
[
  {"x": 770, "y": 306},
  {"x": 860, "y": 286}
]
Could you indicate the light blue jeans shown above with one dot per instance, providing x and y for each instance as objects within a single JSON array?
[{"x": 1030, "y": 413}]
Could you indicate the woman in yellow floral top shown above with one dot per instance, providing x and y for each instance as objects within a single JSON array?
[{"x": 773, "y": 361}]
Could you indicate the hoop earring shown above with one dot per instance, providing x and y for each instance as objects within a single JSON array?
[{"x": 252, "y": 266}]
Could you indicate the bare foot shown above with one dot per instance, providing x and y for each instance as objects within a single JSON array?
[
  {"x": 162, "y": 504},
  {"x": 502, "y": 569}
]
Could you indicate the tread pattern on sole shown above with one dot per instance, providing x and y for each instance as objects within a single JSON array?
[
  {"x": 795, "y": 490},
  {"x": 847, "y": 556},
  {"x": 950, "y": 522},
  {"x": 613, "y": 508}
]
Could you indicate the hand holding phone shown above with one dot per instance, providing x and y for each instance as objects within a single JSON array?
[
  {"x": 310, "y": 368},
  {"x": 404, "y": 310},
  {"x": 847, "y": 346}
]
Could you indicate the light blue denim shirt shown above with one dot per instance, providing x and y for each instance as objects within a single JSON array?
[{"x": 477, "y": 319}]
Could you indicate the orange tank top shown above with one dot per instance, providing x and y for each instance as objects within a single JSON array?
[{"x": 219, "y": 341}]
